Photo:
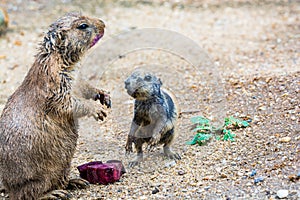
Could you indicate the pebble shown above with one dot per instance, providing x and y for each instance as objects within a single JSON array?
[
  {"x": 249, "y": 184},
  {"x": 193, "y": 164},
  {"x": 282, "y": 194},
  {"x": 262, "y": 108},
  {"x": 253, "y": 172},
  {"x": 181, "y": 172},
  {"x": 223, "y": 175},
  {"x": 170, "y": 164},
  {"x": 206, "y": 188},
  {"x": 156, "y": 190},
  {"x": 206, "y": 178},
  {"x": 293, "y": 117},
  {"x": 285, "y": 139},
  {"x": 240, "y": 174},
  {"x": 293, "y": 177},
  {"x": 258, "y": 179}
]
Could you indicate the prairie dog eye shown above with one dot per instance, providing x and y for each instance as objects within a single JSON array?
[
  {"x": 148, "y": 78},
  {"x": 82, "y": 26}
]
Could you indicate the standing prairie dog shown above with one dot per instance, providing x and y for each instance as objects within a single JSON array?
[
  {"x": 39, "y": 124},
  {"x": 155, "y": 115}
]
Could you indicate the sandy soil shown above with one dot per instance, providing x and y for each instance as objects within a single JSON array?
[{"x": 243, "y": 60}]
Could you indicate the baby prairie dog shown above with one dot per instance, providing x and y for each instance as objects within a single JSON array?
[
  {"x": 39, "y": 124},
  {"x": 155, "y": 115}
]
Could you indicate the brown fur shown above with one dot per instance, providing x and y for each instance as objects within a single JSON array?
[
  {"x": 155, "y": 115},
  {"x": 38, "y": 126}
]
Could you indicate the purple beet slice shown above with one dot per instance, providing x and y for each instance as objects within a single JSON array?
[
  {"x": 83, "y": 168},
  {"x": 119, "y": 165},
  {"x": 103, "y": 173}
]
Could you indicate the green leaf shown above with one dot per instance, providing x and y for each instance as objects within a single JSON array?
[
  {"x": 204, "y": 129},
  {"x": 203, "y": 137},
  {"x": 245, "y": 124},
  {"x": 235, "y": 122},
  {"x": 227, "y": 121},
  {"x": 199, "y": 138},
  {"x": 228, "y": 135},
  {"x": 193, "y": 141}
]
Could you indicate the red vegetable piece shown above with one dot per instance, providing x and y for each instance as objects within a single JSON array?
[
  {"x": 83, "y": 168},
  {"x": 102, "y": 173},
  {"x": 119, "y": 165}
]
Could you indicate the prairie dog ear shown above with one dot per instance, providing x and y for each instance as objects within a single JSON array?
[{"x": 50, "y": 41}]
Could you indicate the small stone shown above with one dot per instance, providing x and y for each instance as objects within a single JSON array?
[
  {"x": 282, "y": 194},
  {"x": 256, "y": 119},
  {"x": 194, "y": 86},
  {"x": 262, "y": 108},
  {"x": 206, "y": 188},
  {"x": 285, "y": 139},
  {"x": 293, "y": 177},
  {"x": 18, "y": 43},
  {"x": 223, "y": 175},
  {"x": 253, "y": 172},
  {"x": 278, "y": 40},
  {"x": 193, "y": 184},
  {"x": 181, "y": 172},
  {"x": 219, "y": 169},
  {"x": 170, "y": 164},
  {"x": 156, "y": 190},
  {"x": 240, "y": 173},
  {"x": 258, "y": 179},
  {"x": 206, "y": 178}
]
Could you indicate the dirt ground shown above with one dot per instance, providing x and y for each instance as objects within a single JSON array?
[{"x": 243, "y": 61}]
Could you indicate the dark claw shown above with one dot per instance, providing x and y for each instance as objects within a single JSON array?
[
  {"x": 99, "y": 97},
  {"x": 2, "y": 189},
  {"x": 108, "y": 104},
  {"x": 128, "y": 150},
  {"x": 56, "y": 194},
  {"x": 150, "y": 147},
  {"x": 174, "y": 156},
  {"x": 100, "y": 117},
  {"x": 133, "y": 163},
  {"x": 177, "y": 156},
  {"x": 78, "y": 183},
  {"x": 104, "y": 99},
  {"x": 128, "y": 146},
  {"x": 104, "y": 114}
]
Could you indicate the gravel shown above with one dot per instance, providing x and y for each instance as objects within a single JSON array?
[{"x": 254, "y": 74}]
